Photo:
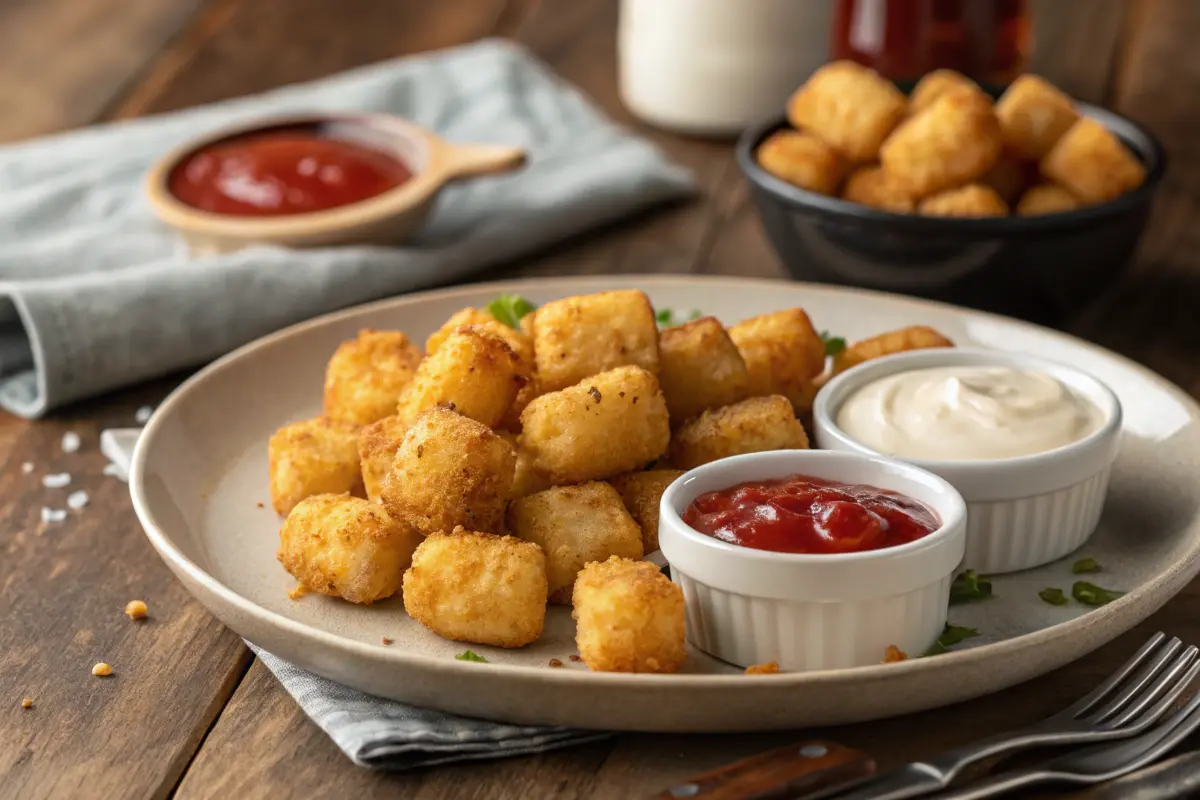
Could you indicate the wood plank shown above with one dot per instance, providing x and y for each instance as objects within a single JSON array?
[
  {"x": 63, "y": 588},
  {"x": 63, "y": 61},
  {"x": 1077, "y": 44}
]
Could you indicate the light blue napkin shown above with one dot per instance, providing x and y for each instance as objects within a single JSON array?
[{"x": 96, "y": 294}]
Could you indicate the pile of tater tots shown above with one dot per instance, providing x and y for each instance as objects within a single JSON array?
[
  {"x": 946, "y": 150},
  {"x": 508, "y": 466}
]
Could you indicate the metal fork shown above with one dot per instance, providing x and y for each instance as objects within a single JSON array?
[{"x": 1127, "y": 703}]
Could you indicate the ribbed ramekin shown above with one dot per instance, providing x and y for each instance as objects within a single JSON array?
[
  {"x": 1021, "y": 512},
  {"x": 821, "y": 611}
]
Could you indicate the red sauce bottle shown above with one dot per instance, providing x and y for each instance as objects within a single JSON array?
[{"x": 987, "y": 40}]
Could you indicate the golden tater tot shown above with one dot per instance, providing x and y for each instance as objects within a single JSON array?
[
  {"x": 317, "y": 456},
  {"x": 751, "y": 426},
  {"x": 954, "y": 141},
  {"x": 803, "y": 160},
  {"x": 1008, "y": 177},
  {"x": 937, "y": 83},
  {"x": 972, "y": 200},
  {"x": 526, "y": 478},
  {"x": 464, "y": 316},
  {"x": 346, "y": 547},
  {"x": 574, "y": 525},
  {"x": 1048, "y": 198},
  {"x": 917, "y": 337},
  {"x": 1092, "y": 164},
  {"x": 450, "y": 470},
  {"x": 870, "y": 186},
  {"x": 783, "y": 353},
  {"x": 1033, "y": 115},
  {"x": 478, "y": 587},
  {"x": 641, "y": 492},
  {"x": 377, "y": 446},
  {"x": 700, "y": 367},
  {"x": 473, "y": 370},
  {"x": 577, "y": 337},
  {"x": 605, "y": 425},
  {"x": 629, "y": 618},
  {"x": 366, "y": 375},
  {"x": 850, "y": 107}
]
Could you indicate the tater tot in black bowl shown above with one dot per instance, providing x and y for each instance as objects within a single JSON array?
[{"x": 1021, "y": 201}]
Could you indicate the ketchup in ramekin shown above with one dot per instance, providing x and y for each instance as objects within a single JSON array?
[{"x": 802, "y": 514}]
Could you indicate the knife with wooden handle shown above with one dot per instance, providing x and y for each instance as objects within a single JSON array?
[
  {"x": 806, "y": 769},
  {"x": 1175, "y": 778}
]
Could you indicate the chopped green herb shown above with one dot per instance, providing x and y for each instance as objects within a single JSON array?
[
  {"x": 666, "y": 317},
  {"x": 951, "y": 635},
  {"x": 471, "y": 655},
  {"x": 1092, "y": 595},
  {"x": 969, "y": 587},
  {"x": 1085, "y": 565},
  {"x": 833, "y": 344},
  {"x": 1053, "y": 595},
  {"x": 509, "y": 308}
]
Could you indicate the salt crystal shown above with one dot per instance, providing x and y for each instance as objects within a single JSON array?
[
  {"x": 143, "y": 415},
  {"x": 70, "y": 442},
  {"x": 53, "y": 514},
  {"x": 27, "y": 467},
  {"x": 77, "y": 500},
  {"x": 56, "y": 481}
]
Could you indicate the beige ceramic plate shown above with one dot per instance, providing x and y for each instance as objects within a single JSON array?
[{"x": 199, "y": 484}]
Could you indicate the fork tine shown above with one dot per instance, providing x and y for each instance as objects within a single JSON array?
[
  {"x": 1135, "y": 685},
  {"x": 1169, "y": 682},
  {"x": 1085, "y": 703}
]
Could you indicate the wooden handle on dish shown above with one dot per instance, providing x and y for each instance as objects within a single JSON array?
[
  {"x": 467, "y": 160},
  {"x": 798, "y": 770}
]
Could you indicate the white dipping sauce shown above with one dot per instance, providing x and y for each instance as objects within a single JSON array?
[{"x": 967, "y": 413}]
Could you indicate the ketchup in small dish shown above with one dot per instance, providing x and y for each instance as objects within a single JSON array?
[
  {"x": 801, "y": 514},
  {"x": 282, "y": 171}
]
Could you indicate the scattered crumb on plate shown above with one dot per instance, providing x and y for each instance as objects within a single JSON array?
[
  {"x": 894, "y": 654},
  {"x": 77, "y": 500},
  {"x": 554, "y": 662},
  {"x": 260, "y": 505},
  {"x": 136, "y": 609},
  {"x": 143, "y": 415},
  {"x": 56, "y": 481},
  {"x": 102, "y": 670},
  {"x": 53, "y": 514},
  {"x": 70, "y": 442},
  {"x": 27, "y": 702},
  {"x": 388, "y": 640},
  {"x": 769, "y": 668},
  {"x": 575, "y": 658}
]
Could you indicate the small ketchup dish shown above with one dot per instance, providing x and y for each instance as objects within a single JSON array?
[
  {"x": 829, "y": 596},
  {"x": 312, "y": 181}
]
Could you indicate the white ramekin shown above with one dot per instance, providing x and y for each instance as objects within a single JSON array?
[
  {"x": 1021, "y": 512},
  {"x": 811, "y": 612}
]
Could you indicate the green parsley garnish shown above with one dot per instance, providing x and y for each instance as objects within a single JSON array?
[
  {"x": 833, "y": 344},
  {"x": 969, "y": 587},
  {"x": 1085, "y": 565},
  {"x": 509, "y": 308},
  {"x": 951, "y": 635},
  {"x": 1053, "y": 595},
  {"x": 666, "y": 317},
  {"x": 1092, "y": 595},
  {"x": 471, "y": 655}
]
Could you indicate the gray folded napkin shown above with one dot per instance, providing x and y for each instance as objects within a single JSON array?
[
  {"x": 384, "y": 734},
  {"x": 96, "y": 294}
]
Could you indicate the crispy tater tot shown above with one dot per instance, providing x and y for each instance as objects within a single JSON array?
[
  {"x": 1008, "y": 177},
  {"x": 377, "y": 446},
  {"x": 464, "y": 316},
  {"x": 629, "y": 618},
  {"x": 803, "y": 160},
  {"x": 478, "y": 587},
  {"x": 641, "y": 493},
  {"x": 346, "y": 547},
  {"x": 849, "y": 106},
  {"x": 574, "y": 525},
  {"x": 937, "y": 83},
  {"x": 577, "y": 337},
  {"x": 954, "y": 141},
  {"x": 870, "y": 186},
  {"x": 473, "y": 370},
  {"x": 783, "y": 353},
  {"x": 366, "y": 375},
  {"x": 526, "y": 478},
  {"x": 1092, "y": 164},
  {"x": 1048, "y": 198},
  {"x": 700, "y": 368},
  {"x": 605, "y": 425},
  {"x": 1033, "y": 115},
  {"x": 751, "y": 426},
  {"x": 450, "y": 470},
  {"x": 972, "y": 200},
  {"x": 916, "y": 337},
  {"x": 317, "y": 456}
]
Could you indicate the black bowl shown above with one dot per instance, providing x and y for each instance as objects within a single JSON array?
[{"x": 1041, "y": 268}]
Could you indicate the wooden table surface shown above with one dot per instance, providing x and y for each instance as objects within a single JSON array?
[{"x": 189, "y": 711}]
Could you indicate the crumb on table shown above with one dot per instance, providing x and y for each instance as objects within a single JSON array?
[
  {"x": 136, "y": 609},
  {"x": 27, "y": 702},
  {"x": 260, "y": 505},
  {"x": 894, "y": 654},
  {"x": 575, "y": 658},
  {"x": 554, "y": 662},
  {"x": 388, "y": 640},
  {"x": 769, "y": 668},
  {"x": 102, "y": 670}
]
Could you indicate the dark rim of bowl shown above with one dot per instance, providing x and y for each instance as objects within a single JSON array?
[{"x": 1143, "y": 143}]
